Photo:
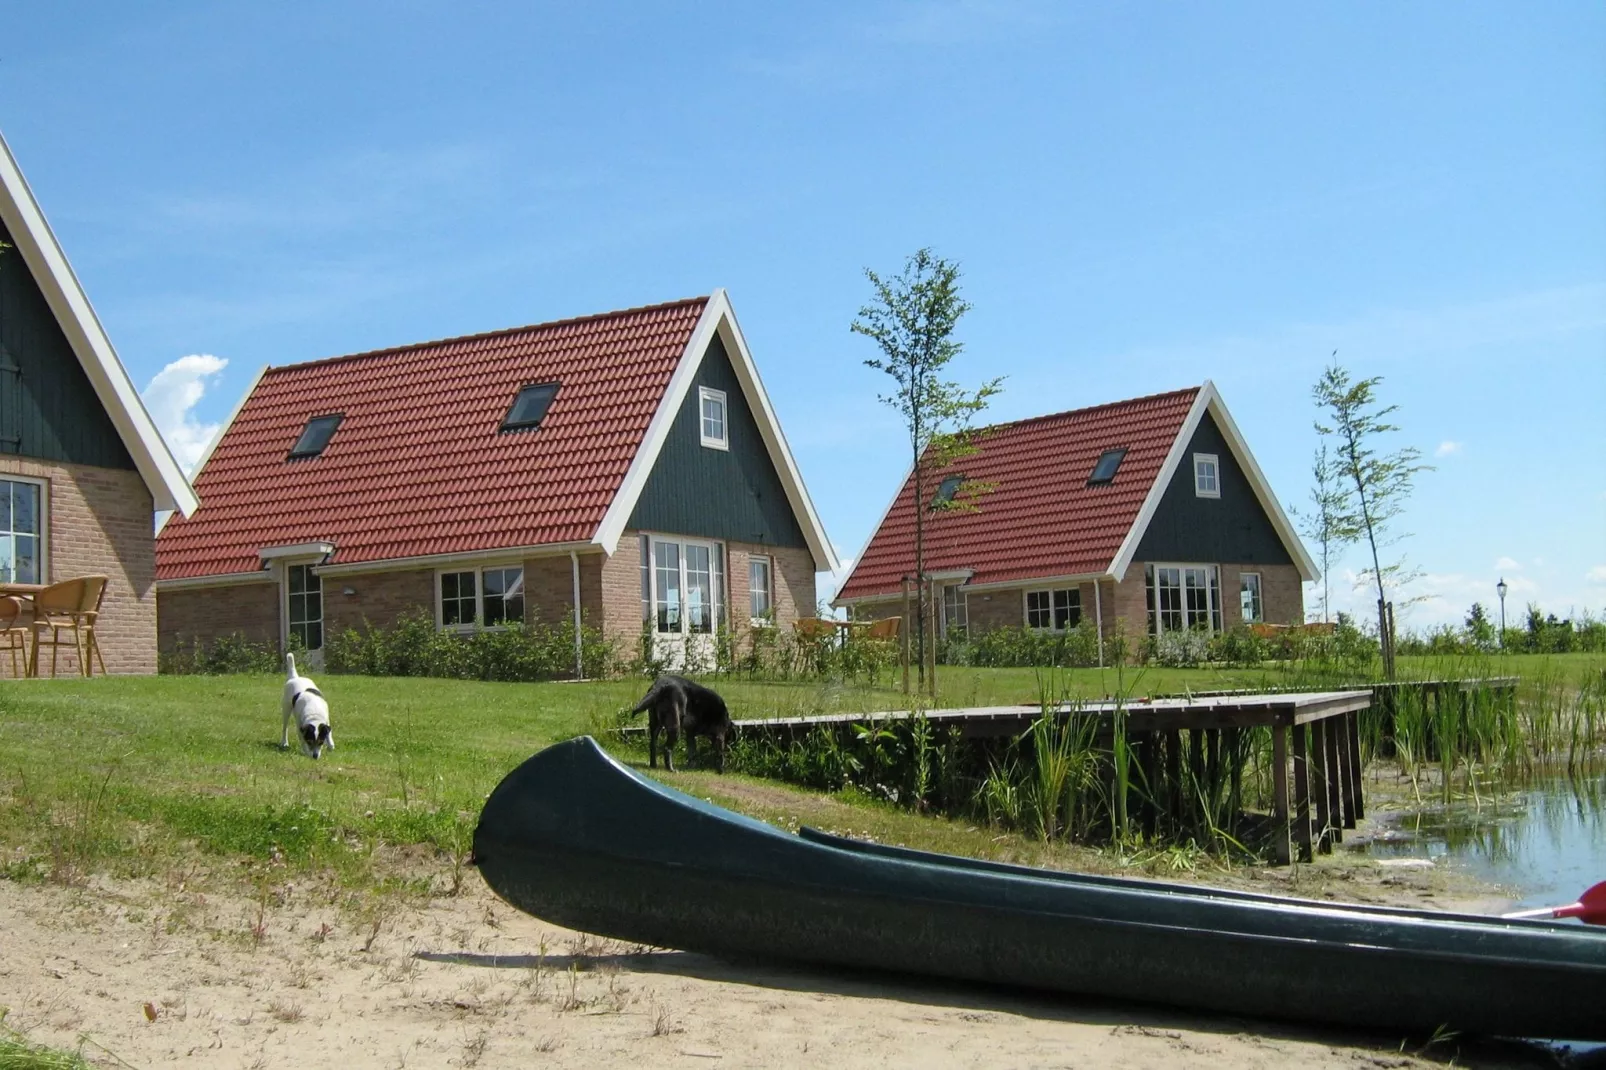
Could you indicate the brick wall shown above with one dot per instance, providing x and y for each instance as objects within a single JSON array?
[
  {"x": 995, "y": 609},
  {"x": 549, "y": 590},
  {"x": 794, "y": 584},
  {"x": 619, "y": 581},
  {"x": 380, "y": 598},
  {"x": 202, "y": 614},
  {"x": 610, "y": 596},
  {"x": 1282, "y": 594},
  {"x": 100, "y": 523}
]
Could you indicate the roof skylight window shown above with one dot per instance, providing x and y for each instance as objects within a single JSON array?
[
  {"x": 1104, "y": 471},
  {"x": 946, "y": 491},
  {"x": 315, "y": 436},
  {"x": 530, "y": 407}
]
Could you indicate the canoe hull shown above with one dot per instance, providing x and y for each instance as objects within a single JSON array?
[{"x": 576, "y": 839}]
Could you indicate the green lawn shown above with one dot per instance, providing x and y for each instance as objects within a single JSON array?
[{"x": 132, "y": 774}]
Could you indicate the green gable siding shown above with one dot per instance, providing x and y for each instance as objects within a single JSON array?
[
  {"x": 1232, "y": 528},
  {"x": 717, "y": 494},
  {"x": 48, "y": 409}
]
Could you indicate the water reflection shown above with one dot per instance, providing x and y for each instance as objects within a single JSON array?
[{"x": 1545, "y": 842}]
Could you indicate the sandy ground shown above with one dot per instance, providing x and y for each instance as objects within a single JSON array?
[{"x": 164, "y": 977}]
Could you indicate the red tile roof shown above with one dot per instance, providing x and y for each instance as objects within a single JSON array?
[
  {"x": 417, "y": 466},
  {"x": 1043, "y": 519}
]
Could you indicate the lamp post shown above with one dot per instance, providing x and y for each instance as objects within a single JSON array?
[{"x": 1500, "y": 589}]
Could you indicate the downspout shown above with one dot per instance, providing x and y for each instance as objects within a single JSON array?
[
  {"x": 579, "y": 649},
  {"x": 1098, "y": 618}
]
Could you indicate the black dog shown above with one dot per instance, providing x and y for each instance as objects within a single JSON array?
[{"x": 674, "y": 705}]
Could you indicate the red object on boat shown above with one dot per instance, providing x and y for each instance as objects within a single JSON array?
[{"x": 1590, "y": 908}]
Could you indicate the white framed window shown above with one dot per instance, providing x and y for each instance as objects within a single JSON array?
[
  {"x": 955, "y": 608},
  {"x": 304, "y": 605},
  {"x": 1054, "y": 610},
  {"x": 1206, "y": 475},
  {"x": 712, "y": 418},
  {"x": 490, "y": 597},
  {"x": 1249, "y": 597},
  {"x": 22, "y": 530},
  {"x": 1183, "y": 598},
  {"x": 760, "y": 591},
  {"x": 687, "y": 585},
  {"x": 502, "y": 596}
]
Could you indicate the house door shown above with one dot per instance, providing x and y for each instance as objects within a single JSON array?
[
  {"x": 688, "y": 601},
  {"x": 303, "y": 605}
]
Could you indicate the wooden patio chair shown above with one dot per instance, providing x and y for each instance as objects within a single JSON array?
[
  {"x": 71, "y": 605},
  {"x": 885, "y": 628},
  {"x": 14, "y": 631},
  {"x": 813, "y": 629}
]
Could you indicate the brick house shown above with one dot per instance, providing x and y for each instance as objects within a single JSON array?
[
  {"x": 1150, "y": 512},
  {"x": 624, "y": 469},
  {"x": 82, "y": 467}
]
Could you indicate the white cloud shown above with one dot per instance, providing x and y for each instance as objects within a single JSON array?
[
  {"x": 1596, "y": 574},
  {"x": 827, "y": 584},
  {"x": 1507, "y": 564},
  {"x": 171, "y": 397},
  {"x": 1447, "y": 447}
]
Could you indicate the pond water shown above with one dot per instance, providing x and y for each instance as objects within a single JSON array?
[{"x": 1545, "y": 843}]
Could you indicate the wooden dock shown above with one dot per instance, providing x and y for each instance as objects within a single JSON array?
[{"x": 1316, "y": 757}]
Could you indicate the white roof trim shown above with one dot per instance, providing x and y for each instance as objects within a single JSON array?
[
  {"x": 718, "y": 317},
  {"x": 508, "y": 553},
  {"x": 1209, "y": 400},
  {"x": 1034, "y": 583},
  {"x": 224, "y": 579},
  {"x": 37, "y": 246},
  {"x": 297, "y": 549}
]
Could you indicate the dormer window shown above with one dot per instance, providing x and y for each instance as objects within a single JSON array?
[
  {"x": 946, "y": 491},
  {"x": 711, "y": 418},
  {"x": 1206, "y": 475},
  {"x": 1104, "y": 471},
  {"x": 315, "y": 436},
  {"x": 530, "y": 407}
]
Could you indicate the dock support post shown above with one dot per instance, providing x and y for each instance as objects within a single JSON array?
[
  {"x": 1318, "y": 788},
  {"x": 1235, "y": 777},
  {"x": 1150, "y": 742},
  {"x": 1301, "y": 794},
  {"x": 1346, "y": 783},
  {"x": 1173, "y": 776},
  {"x": 1196, "y": 770},
  {"x": 1352, "y": 724},
  {"x": 1333, "y": 778},
  {"x": 1279, "y": 781}
]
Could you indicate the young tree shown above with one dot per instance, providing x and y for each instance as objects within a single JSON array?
[
  {"x": 1378, "y": 484},
  {"x": 1479, "y": 628},
  {"x": 912, "y": 317},
  {"x": 1330, "y": 522}
]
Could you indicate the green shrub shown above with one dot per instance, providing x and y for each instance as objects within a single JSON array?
[
  {"x": 1017, "y": 647},
  {"x": 413, "y": 646},
  {"x": 232, "y": 653}
]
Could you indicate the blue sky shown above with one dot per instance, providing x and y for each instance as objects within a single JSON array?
[{"x": 1142, "y": 197}]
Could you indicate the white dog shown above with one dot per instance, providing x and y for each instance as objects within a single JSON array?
[{"x": 303, "y": 701}]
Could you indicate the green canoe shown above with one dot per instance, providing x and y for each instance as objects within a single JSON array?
[{"x": 575, "y": 838}]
